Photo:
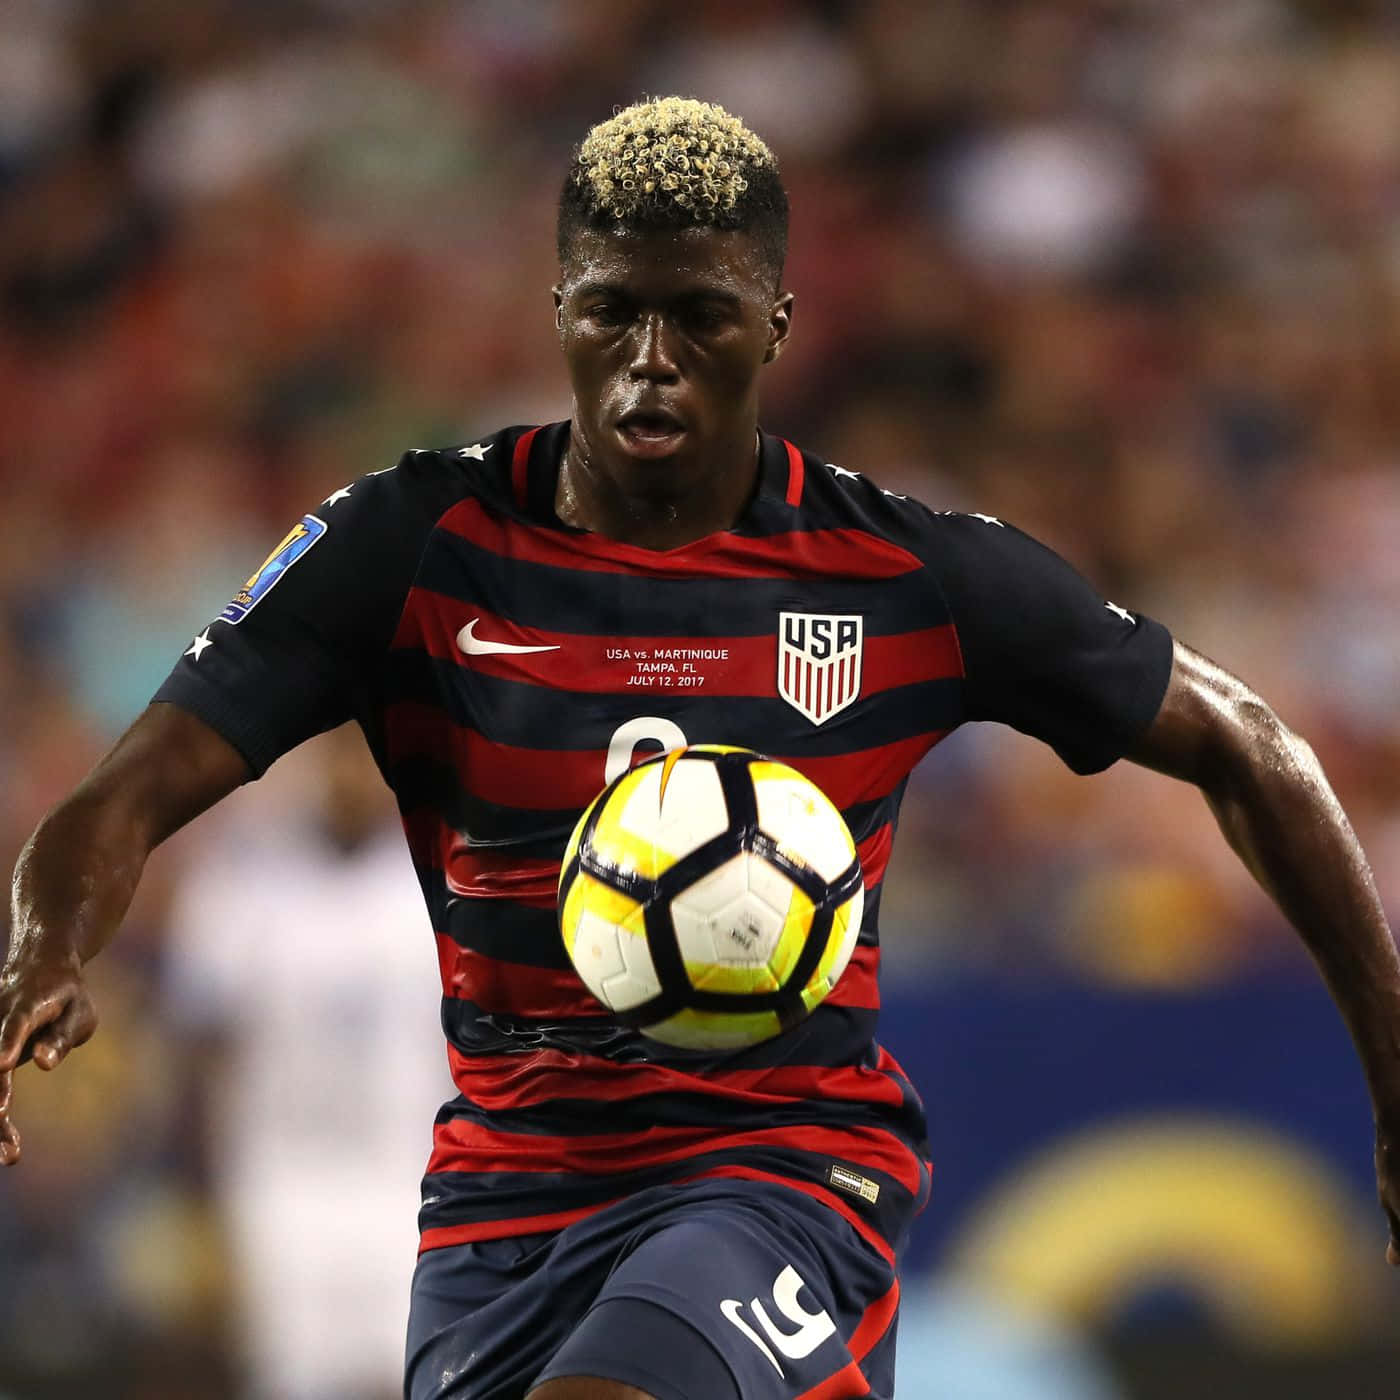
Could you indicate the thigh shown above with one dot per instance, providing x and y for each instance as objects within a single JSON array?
[
  {"x": 484, "y": 1318},
  {"x": 765, "y": 1292}
]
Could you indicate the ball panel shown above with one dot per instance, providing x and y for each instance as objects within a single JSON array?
[
  {"x": 626, "y": 845},
  {"x": 605, "y": 936},
  {"x": 590, "y": 895},
  {"x": 800, "y": 817},
  {"x": 845, "y": 929},
  {"x": 638, "y": 981},
  {"x": 571, "y": 849},
  {"x": 712, "y": 1030},
  {"x": 678, "y": 806},
  {"x": 726, "y": 931},
  {"x": 796, "y": 927}
]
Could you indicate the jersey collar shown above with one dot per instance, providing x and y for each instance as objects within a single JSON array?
[{"x": 538, "y": 452}]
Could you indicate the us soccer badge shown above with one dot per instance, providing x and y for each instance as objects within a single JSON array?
[
  {"x": 294, "y": 545},
  {"x": 819, "y": 662}
]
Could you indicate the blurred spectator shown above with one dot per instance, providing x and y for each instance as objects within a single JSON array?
[{"x": 313, "y": 989}]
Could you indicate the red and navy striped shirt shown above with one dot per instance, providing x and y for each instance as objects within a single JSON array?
[{"x": 503, "y": 665}]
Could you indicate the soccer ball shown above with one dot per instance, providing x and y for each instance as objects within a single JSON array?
[{"x": 710, "y": 897}]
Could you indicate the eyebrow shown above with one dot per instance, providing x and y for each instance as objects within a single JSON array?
[{"x": 618, "y": 289}]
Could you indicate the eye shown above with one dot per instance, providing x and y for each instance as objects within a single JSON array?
[
  {"x": 707, "y": 316},
  {"x": 607, "y": 313}
]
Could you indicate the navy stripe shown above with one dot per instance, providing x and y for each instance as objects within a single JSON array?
[
  {"x": 594, "y": 603},
  {"x": 831, "y": 1036},
  {"x": 521, "y": 933},
  {"x": 420, "y": 781},
  {"x": 499, "y": 928},
  {"x": 452, "y": 1198},
  {"x": 518, "y": 714},
  {"x": 582, "y": 1118}
]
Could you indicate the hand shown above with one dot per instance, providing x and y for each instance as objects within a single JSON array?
[
  {"x": 1388, "y": 1180},
  {"x": 45, "y": 1011}
]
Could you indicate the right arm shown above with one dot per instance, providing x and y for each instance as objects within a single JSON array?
[{"x": 77, "y": 874}]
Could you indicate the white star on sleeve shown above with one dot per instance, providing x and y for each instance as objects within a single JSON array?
[
  {"x": 197, "y": 646},
  {"x": 477, "y": 450},
  {"x": 987, "y": 519},
  {"x": 1122, "y": 612},
  {"x": 337, "y": 496}
]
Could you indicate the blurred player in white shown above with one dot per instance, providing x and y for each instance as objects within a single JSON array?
[{"x": 297, "y": 951}]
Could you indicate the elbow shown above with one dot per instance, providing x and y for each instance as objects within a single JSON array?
[{"x": 1256, "y": 753}]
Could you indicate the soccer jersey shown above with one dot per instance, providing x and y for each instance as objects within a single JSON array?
[{"x": 504, "y": 666}]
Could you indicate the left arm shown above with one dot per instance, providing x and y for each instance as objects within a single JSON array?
[{"x": 1273, "y": 803}]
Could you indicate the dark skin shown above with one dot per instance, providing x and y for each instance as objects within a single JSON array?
[{"x": 673, "y": 329}]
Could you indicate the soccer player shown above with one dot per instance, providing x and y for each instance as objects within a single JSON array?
[{"x": 603, "y": 1218}]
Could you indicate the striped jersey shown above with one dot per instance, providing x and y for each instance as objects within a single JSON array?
[{"x": 504, "y": 666}]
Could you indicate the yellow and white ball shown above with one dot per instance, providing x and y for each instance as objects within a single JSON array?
[{"x": 711, "y": 897}]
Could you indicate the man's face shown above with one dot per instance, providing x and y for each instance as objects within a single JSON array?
[{"x": 664, "y": 334}]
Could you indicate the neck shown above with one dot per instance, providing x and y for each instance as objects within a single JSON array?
[{"x": 590, "y": 498}]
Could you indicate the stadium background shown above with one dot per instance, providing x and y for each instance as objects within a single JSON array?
[{"x": 1125, "y": 272}]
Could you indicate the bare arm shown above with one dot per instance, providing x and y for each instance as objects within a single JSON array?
[
  {"x": 1278, "y": 812},
  {"x": 77, "y": 874}
]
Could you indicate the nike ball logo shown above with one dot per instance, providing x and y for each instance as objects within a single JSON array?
[{"x": 473, "y": 645}]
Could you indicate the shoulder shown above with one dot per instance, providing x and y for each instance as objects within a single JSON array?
[
  {"x": 430, "y": 480},
  {"x": 836, "y": 496}
]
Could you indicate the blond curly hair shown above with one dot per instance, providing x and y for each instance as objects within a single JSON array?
[{"x": 672, "y": 162}]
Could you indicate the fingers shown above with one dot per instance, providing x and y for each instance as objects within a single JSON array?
[
  {"x": 9, "y": 1138},
  {"x": 71, "y": 1028},
  {"x": 46, "y": 1030},
  {"x": 1392, "y": 1250},
  {"x": 14, "y": 1031}
]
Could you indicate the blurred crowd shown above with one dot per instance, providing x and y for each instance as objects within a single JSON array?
[{"x": 1123, "y": 272}]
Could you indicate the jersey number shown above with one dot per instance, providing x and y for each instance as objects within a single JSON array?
[{"x": 657, "y": 735}]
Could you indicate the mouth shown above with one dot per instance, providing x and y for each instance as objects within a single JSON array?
[{"x": 650, "y": 432}]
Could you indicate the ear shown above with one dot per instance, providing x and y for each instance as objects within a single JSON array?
[
  {"x": 556, "y": 292},
  {"x": 779, "y": 324}
]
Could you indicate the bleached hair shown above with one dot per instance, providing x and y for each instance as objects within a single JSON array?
[{"x": 671, "y": 162}]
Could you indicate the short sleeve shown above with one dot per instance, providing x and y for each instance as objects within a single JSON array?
[
  {"x": 296, "y": 649},
  {"x": 1042, "y": 650}
]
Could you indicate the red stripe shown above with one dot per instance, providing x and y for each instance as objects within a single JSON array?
[
  {"x": 478, "y": 874},
  {"x": 848, "y": 1383},
  {"x": 866, "y": 1231},
  {"x": 875, "y": 1322},
  {"x": 445, "y": 1235},
  {"x": 814, "y": 554},
  {"x": 859, "y": 985},
  {"x": 545, "y": 992},
  {"x": 582, "y": 664},
  {"x": 554, "y": 993},
  {"x": 565, "y": 780},
  {"x": 501, "y": 1082},
  {"x": 874, "y": 853},
  {"x": 520, "y": 468},
  {"x": 527, "y": 779},
  {"x": 463, "y": 1146},
  {"x": 795, "y": 475},
  {"x": 865, "y": 774}
]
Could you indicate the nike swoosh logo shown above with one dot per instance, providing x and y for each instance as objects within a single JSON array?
[{"x": 479, "y": 646}]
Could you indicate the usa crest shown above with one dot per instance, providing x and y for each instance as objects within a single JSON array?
[{"x": 819, "y": 657}]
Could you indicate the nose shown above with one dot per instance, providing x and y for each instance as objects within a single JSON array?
[{"x": 653, "y": 355}]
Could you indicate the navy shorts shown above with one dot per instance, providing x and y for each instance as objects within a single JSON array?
[{"x": 708, "y": 1290}]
